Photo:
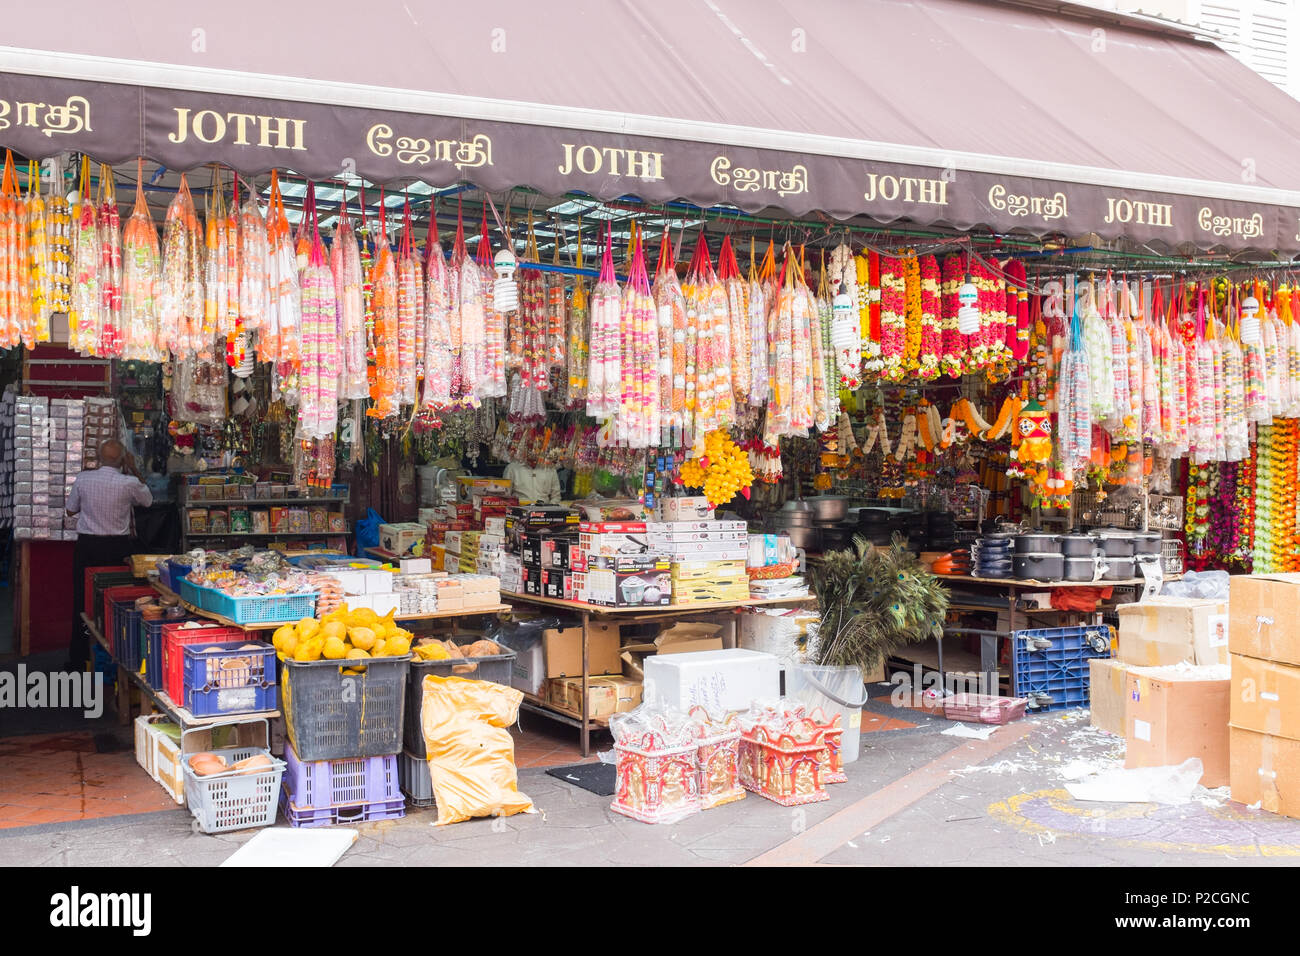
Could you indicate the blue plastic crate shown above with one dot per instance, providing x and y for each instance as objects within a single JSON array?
[
  {"x": 234, "y": 677},
  {"x": 250, "y": 610},
  {"x": 1050, "y": 665},
  {"x": 170, "y": 573},
  {"x": 151, "y": 646}
]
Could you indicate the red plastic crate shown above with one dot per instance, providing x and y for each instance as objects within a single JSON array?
[
  {"x": 127, "y": 592},
  {"x": 174, "y": 637},
  {"x": 89, "y": 595}
]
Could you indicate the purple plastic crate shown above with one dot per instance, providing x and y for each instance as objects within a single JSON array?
[
  {"x": 335, "y": 816},
  {"x": 343, "y": 783},
  {"x": 232, "y": 677}
]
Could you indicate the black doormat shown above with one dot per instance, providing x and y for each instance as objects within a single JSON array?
[{"x": 598, "y": 778}]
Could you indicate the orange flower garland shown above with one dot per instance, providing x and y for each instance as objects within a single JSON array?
[
  {"x": 912, "y": 299},
  {"x": 931, "y": 333}
]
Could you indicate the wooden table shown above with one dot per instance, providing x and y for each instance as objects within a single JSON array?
[{"x": 586, "y": 723}]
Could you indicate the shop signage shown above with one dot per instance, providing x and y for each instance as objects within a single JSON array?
[{"x": 114, "y": 123}]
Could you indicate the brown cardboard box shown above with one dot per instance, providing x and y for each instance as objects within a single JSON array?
[
  {"x": 1170, "y": 718},
  {"x": 1265, "y": 609},
  {"x": 1266, "y": 771},
  {"x": 1168, "y": 630},
  {"x": 563, "y": 649},
  {"x": 606, "y": 695},
  {"x": 1107, "y": 691},
  {"x": 1265, "y": 697},
  {"x": 688, "y": 636}
]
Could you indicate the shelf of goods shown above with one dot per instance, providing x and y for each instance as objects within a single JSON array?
[
  {"x": 272, "y": 625},
  {"x": 333, "y": 503},
  {"x": 585, "y": 722},
  {"x": 128, "y": 677}
]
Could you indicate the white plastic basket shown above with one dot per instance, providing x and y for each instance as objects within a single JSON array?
[{"x": 228, "y": 801}]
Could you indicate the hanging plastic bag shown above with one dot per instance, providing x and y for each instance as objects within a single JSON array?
[
  {"x": 318, "y": 382},
  {"x": 578, "y": 351},
  {"x": 367, "y": 530},
  {"x": 141, "y": 281},
  {"x": 471, "y": 754},
  {"x": 604, "y": 375},
  {"x": 637, "y": 423},
  {"x": 670, "y": 311},
  {"x": 345, "y": 268}
]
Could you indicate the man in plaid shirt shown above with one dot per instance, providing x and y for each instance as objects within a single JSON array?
[{"x": 104, "y": 500}]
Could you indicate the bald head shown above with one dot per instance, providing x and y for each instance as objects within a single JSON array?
[{"x": 111, "y": 453}]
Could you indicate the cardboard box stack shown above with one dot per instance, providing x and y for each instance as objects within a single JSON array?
[
  {"x": 535, "y": 558},
  {"x": 708, "y": 558},
  {"x": 614, "y": 564},
  {"x": 1264, "y": 640},
  {"x": 1169, "y": 688}
]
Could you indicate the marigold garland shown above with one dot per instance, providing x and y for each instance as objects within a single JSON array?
[
  {"x": 912, "y": 314},
  {"x": 931, "y": 333}
]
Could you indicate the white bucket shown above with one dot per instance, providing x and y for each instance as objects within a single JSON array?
[{"x": 836, "y": 690}]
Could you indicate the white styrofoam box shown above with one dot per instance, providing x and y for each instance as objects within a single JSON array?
[
  {"x": 719, "y": 681},
  {"x": 416, "y": 566},
  {"x": 357, "y": 601},
  {"x": 528, "y": 672},
  {"x": 383, "y": 603},
  {"x": 351, "y": 580},
  {"x": 378, "y": 582}
]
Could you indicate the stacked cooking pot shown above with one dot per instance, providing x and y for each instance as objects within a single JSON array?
[
  {"x": 815, "y": 524},
  {"x": 1107, "y": 555}
]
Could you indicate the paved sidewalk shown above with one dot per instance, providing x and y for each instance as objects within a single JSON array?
[{"x": 915, "y": 797}]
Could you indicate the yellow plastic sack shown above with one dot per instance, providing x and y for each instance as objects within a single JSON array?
[{"x": 471, "y": 753}]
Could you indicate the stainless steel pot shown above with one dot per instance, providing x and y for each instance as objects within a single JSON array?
[
  {"x": 1120, "y": 569},
  {"x": 1047, "y": 566},
  {"x": 1080, "y": 569},
  {"x": 1146, "y": 542},
  {"x": 828, "y": 507},
  {"x": 1117, "y": 544},
  {"x": 1078, "y": 545},
  {"x": 1038, "y": 544}
]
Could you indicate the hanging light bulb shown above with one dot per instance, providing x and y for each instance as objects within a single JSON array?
[
  {"x": 968, "y": 316},
  {"x": 505, "y": 291}
]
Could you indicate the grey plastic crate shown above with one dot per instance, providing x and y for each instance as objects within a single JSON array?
[
  {"x": 234, "y": 801},
  {"x": 413, "y": 775},
  {"x": 495, "y": 669},
  {"x": 331, "y": 715}
]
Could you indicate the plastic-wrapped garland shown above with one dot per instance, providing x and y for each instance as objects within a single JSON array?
[
  {"x": 1192, "y": 364},
  {"x": 556, "y": 316},
  {"x": 141, "y": 280},
  {"x": 1272, "y": 365},
  {"x": 1120, "y": 424},
  {"x": 827, "y": 376},
  {"x": 254, "y": 263},
  {"x": 285, "y": 311},
  {"x": 410, "y": 314},
  {"x": 760, "y": 376},
  {"x": 1150, "y": 378},
  {"x": 782, "y": 339},
  {"x": 345, "y": 269},
  {"x": 578, "y": 353},
  {"x": 603, "y": 372},
  {"x": 1097, "y": 344},
  {"x": 1135, "y": 374},
  {"x": 1293, "y": 366},
  {"x": 39, "y": 264},
  {"x": 437, "y": 327},
  {"x": 804, "y": 320},
  {"x": 1220, "y": 392},
  {"x": 318, "y": 386},
  {"x": 86, "y": 318},
  {"x": 384, "y": 390},
  {"x": 215, "y": 245},
  {"x": 846, "y": 330},
  {"x": 492, "y": 384},
  {"x": 670, "y": 318},
  {"x": 15, "y": 295},
  {"x": 893, "y": 319},
  {"x": 1236, "y": 430},
  {"x": 1074, "y": 418},
  {"x": 1257, "y": 407},
  {"x": 637, "y": 424},
  {"x": 472, "y": 316},
  {"x": 110, "y": 267},
  {"x": 531, "y": 324},
  {"x": 735, "y": 292}
]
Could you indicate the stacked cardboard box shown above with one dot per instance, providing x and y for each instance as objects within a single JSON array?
[
  {"x": 1169, "y": 689},
  {"x": 1264, "y": 640}
]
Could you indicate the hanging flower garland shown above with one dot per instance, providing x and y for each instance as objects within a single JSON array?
[
  {"x": 912, "y": 311},
  {"x": 670, "y": 308},
  {"x": 952, "y": 359},
  {"x": 893, "y": 319},
  {"x": 141, "y": 266},
  {"x": 35, "y": 326},
  {"x": 931, "y": 345}
]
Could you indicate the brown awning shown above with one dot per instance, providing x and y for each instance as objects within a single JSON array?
[{"x": 951, "y": 112}]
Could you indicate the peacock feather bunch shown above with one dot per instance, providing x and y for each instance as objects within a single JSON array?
[{"x": 873, "y": 601}]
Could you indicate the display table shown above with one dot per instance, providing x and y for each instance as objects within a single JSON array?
[
  {"x": 585, "y": 723},
  {"x": 1017, "y": 619}
]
